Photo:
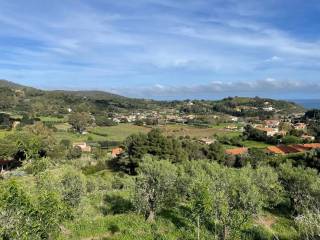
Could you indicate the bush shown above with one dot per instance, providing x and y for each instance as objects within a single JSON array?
[
  {"x": 65, "y": 143},
  {"x": 116, "y": 204},
  {"x": 74, "y": 153},
  {"x": 291, "y": 140},
  {"x": 38, "y": 165},
  {"x": 257, "y": 233},
  {"x": 114, "y": 228},
  {"x": 72, "y": 188},
  {"x": 88, "y": 170}
]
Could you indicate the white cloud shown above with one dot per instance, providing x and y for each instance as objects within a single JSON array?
[
  {"x": 151, "y": 39},
  {"x": 274, "y": 59}
]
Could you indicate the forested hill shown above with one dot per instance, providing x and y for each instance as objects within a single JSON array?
[{"x": 19, "y": 98}]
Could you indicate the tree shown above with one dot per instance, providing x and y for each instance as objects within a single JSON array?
[
  {"x": 312, "y": 159},
  {"x": 153, "y": 143},
  {"x": 256, "y": 157},
  {"x": 155, "y": 186},
  {"x": 74, "y": 152},
  {"x": 22, "y": 145},
  {"x": 216, "y": 152},
  {"x": 102, "y": 120},
  {"x": 7, "y": 98},
  {"x": 72, "y": 188},
  {"x": 136, "y": 148},
  {"x": 302, "y": 187},
  {"x": 5, "y": 122},
  {"x": 80, "y": 121},
  {"x": 309, "y": 224},
  {"x": 227, "y": 198},
  {"x": 291, "y": 140},
  {"x": 23, "y": 217},
  {"x": 267, "y": 180},
  {"x": 313, "y": 114}
]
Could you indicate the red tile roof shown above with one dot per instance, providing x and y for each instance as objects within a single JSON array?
[
  {"x": 116, "y": 151},
  {"x": 312, "y": 145},
  {"x": 275, "y": 149},
  {"x": 294, "y": 148},
  {"x": 237, "y": 151}
]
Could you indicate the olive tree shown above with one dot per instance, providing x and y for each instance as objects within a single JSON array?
[
  {"x": 73, "y": 187},
  {"x": 155, "y": 186},
  {"x": 309, "y": 224},
  {"x": 228, "y": 198},
  {"x": 302, "y": 187},
  {"x": 23, "y": 217}
]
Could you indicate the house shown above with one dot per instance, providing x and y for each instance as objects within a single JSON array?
[
  {"x": 237, "y": 151},
  {"x": 308, "y": 137},
  {"x": 83, "y": 146},
  {"x": 272, "y": 123},
  {"x": 234, "y": 119},
  {"x": 231, "y": 127},
  {"x": 283, "y": 149},
  {"x": 300, "y": 126},
  {"x": 269, "y": 131},
  {"x": 268, "y": 109},
  {"x": 116, "y": 120},
  {"x": 15, "y": 124},
  {"x": 312, "y": 145},
  {"x": 207, "y": 141},
  {"x": 117, "y": 151}
]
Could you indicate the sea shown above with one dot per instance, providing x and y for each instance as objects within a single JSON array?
[{"x": 308, "y": 103}]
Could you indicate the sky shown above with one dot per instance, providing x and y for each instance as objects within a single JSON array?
[{"x": 164, "y": 49}]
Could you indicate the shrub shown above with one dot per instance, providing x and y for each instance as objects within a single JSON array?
[
  {"x": 72, "y": 188},
  {"x": 74, "y": 153},
  {"x": 114, "y": 228},
  {"x": 116, "y": 204}
]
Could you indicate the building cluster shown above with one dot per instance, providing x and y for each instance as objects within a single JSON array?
[
  {"x": 267, "y": 107},
  {"x": 273, "y": 127},
  {"x": 160, "y": 118}
]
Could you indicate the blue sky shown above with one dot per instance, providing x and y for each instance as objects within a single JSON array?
[{"x": 164, "y": 49}]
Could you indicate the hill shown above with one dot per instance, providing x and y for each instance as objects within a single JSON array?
[
  {"x": 12, "y": 85},
  {"x": 242, "y": 106},
  {"x": 19, "y": 98}
]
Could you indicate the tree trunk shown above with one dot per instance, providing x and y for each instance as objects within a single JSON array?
[
  {"x": 198, "y": 227},
  {"x": 151, "y": 213},
  {"x": 150, "y": 216},
  {"x": 225, "y": 233}
]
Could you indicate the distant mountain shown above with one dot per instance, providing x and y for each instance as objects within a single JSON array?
[{"x": 91, "y": 94}]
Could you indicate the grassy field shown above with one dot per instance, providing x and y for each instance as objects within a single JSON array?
[
  {"x": 52, "y": 119},
  {"x": 119, "y": 132},
  {"x": 122, "y": 131},
  {"x": 62, "y": 126},
  {"x": 74, "y": 137},
  {"x": 185, "y": 130},
  {"x": 3, "y": 133},
  {"x": 254, "y": 144}
]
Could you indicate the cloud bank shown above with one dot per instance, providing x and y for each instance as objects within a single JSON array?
[
  {"x": 126, "y": 44},
  {"x": 267, "y": 87}
]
